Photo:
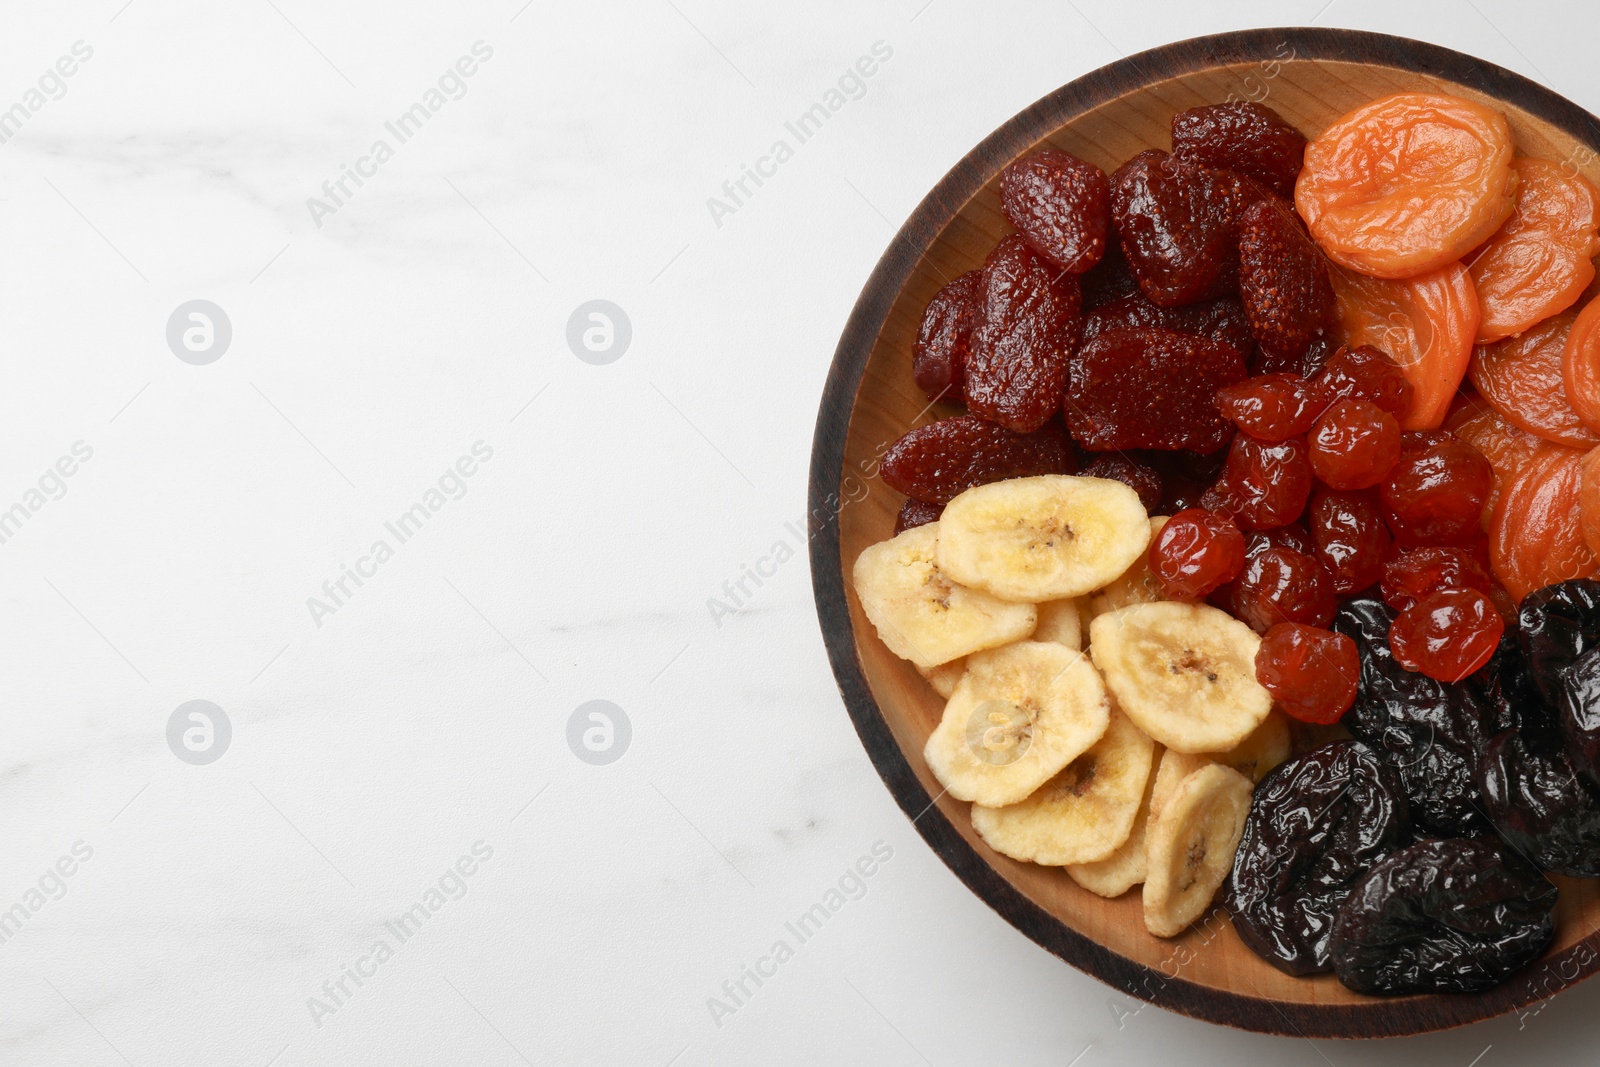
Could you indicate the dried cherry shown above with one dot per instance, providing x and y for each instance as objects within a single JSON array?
[
  {"x": 1028, "y": 322},
  {"x": 1313, "y": 674},
  {"x": 1265, "y": 484},
  {"x": 1365, "y": 373},
  {"x": 937, "y": 462},
  {"x": 939, "y": 357},
  {"x": 1283, "y": 280},
  {"x": 1436, "y": 491},
  {"x": 1061, "y": 205},
  {"x": 1273, "y": 407},
  {"x": 1450, "y": 916},
  {"x": 1195, "y": 552},
  {"x": 1244, "y": 137},
  {"x": 1150, "y": 388},
  {"x": 1140, "y": 477},
  {"x": 1350, "y": 538},
  {"x": 1280, "y": 584},
  {"x": 1420, "y": 572},
  {"x": 1355, "y": 444},
  {"x": 1317, "y": 824},
  {"x": 1447, "y": 635}
]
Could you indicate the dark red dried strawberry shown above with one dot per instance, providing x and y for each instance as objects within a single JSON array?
[
  {"x": 1221, "y": 321},
  {"x": 1178, "y": 222},
  {"x": 939, "y": 358},
  {"x": 916, "y": 513},
  {"x": 1110, "y": 279},
  {"x": 937, "y": 462},
  {"x": 1147, "y": 387},
  {"x": 1028, "y": 323},
  {"x": 1061, "y": 206},
  {"x": 1283, "y": 280},
  {"x": 1243, "y": 136},
  {"x": 1143, "y": 479}
]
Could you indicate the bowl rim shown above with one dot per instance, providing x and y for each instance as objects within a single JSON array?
[{"x": 1377, "y": 1017}]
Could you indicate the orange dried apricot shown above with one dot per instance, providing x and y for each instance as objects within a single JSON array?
[
  {"x": 1580, "y": 365},
  {"x": 1425, "y": 324},
  {"x": 1408, "y": 183},
  {"x": 1589, "y": 498},
  {"x": 1520, "y": 377},
  {"x": 1507, "y": 448},
  {"x": 1535, "y": 536},
  {"x": 1540, "y": 261}
]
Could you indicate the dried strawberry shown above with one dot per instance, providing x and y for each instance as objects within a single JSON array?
[
  {"x": 1110, "y": 279},
  {"x": 1222, "y": 321},
  {"x": 1141, "y": 478},
  {"x": 1179, "y": 226},
  {"x": 939, "y": 461},
  {"x": 1242, "y": 136},
  {"x": 1061, "y": 206},
  {"x": 1308, "y": 364},
  {"x": 939, "y": 357},
  {"x": 1283, "y": 280},
  {"x": 915, "y": 513},
  {"x": 1028, "y": 323},
  {"x": 1150, "y": 388}
]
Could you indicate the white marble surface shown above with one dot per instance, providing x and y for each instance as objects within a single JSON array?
[{"x": 426, "y": 314}]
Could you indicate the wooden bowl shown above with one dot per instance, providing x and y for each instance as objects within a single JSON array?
[{"x": 1310, "y": 76}]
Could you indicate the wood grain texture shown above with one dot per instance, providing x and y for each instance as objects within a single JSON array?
[{"x": 1310, "y": 76}]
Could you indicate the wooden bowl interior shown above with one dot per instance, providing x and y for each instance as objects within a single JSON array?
[{"x": 1309, "y": 94}]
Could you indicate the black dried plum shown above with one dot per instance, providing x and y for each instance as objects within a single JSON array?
[
  {"x": 1432, "y": 732},
  {"x": 1542, "y": 808},
  {"x": 1316, "y": 825},
  {"x": 1450, "y": 916},
  {"x": 1558, "y": 624},
  {"x": 1580, "y": 712},
  {"x": 1512, "y": 701}
]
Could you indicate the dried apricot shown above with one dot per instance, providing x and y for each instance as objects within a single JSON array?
[
  {"x": 1061, "y": 206},
  {"x": 1540, "y": 261},
  {"x": 1580, "y": 365},
  {"x": 1426, "y": 325},
  {"x": 1407, "y": 184},
  {"x": 1506, "y": 448},
  {"x": 1150, "y": 388},
  {"x": 1589, "y": 499},
  {"x": 1179, "y": 225},
  {"x": 1028, "y": 323},
  {"x": 1283, "y": 280},
  {"x": 1535, "y": 533},
  {"x": 1520, "y": 377},
  {"x": 1244, "y": 137},
  {"x": 939, "y": 357}
]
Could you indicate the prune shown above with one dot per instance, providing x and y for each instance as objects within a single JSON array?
[
  {"x": 1412, "y": 575},
  {"x": 1195, "y": 552},
  {"x": 1178, "y": 222},
  {"x": 1265, "y": 484},
  {"x": 1273, "y": 407},
  {"x": 1580, "y": 713},
  {"x": 1149, "y": 388},
  {"x": 1221, "y": 321},
  {"x": 1242, "y": 136},
  {"x": 1355, "y": 444},
  {"x": 1511, "y": 699},
  {"x": 939, "y": 357},
  {"x": 937, "y": 462},
  {"x": 1558, "y": 624},
  {"x": 1028, "y": 322},
  {"x": 914, "y": 513},
  {"x": 1450, "y": 916},
  {"x": 1061, "y": 206},
  {"x": 1139, "y": 477},
  {"x": 1110, "y": 279},
  {"x": 1447, "y": 635},
  {"x": 1279, "y": 584},
  {"x": 1317, "y": 824},
  {"x": 1540, "y": 805},
  {"x": 1432, "y": 732},
  {"x": 1350, "y": 539},
  {"x": 1283, "y": 280},
  {"x": 1313, "y": 674},
  {"x": 1435, "y": 492}
]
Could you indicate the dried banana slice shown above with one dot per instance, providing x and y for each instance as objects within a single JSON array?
[
  {"x": 1124, "y": 868},
  {"x": 1019, "y": 715},
  {"x": 1082, "y": 814},
  {"x": 1184, "y": 673},
  {"x": 1060, "y": 621},
  {"x": 923, "y": 615},
  {"x": 944, "y": 677},
  {"x": 1267, "y": 746},
  {"x": 1136, "y": 585},
  {"x": 1189, "y": 847},
  {"x": 1042, "y": 538}
]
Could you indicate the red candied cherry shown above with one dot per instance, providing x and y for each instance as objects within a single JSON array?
[
  {"x": 1350, "y": 538},
  {"x": 1279, "y": 584},
  {"x": 1365, "y": 373},
  {"x": 1264, "y": 484},
  {"x": 1354, "y": 444},
  {"x": 1195, "y": 552},
  {"x": 1312, "y": 673},
  {"x": 1447, "y": 635},
  {"x": 1271, "y": 407},
  {"x": 1414, "y": 575},
  {"x": 1436, "y": 491}
]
